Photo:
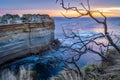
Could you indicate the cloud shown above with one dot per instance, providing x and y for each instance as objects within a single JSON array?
[{"x": 111, "y": 7}]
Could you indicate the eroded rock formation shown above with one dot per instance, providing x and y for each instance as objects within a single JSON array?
[{"x": 18, "y": 40}]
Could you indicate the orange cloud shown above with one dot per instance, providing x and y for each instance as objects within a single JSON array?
[{"x": 111, "y": 11}]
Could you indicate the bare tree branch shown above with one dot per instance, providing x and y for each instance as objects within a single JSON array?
[{"x": 89, "y": 12}]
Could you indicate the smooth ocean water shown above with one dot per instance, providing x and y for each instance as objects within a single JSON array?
[
  {"x": 85, "y": 25},
  {"x": 44, "y": 66}
]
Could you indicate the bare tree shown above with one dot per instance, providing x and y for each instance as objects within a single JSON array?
[
  {"x": 88, "y": 44},
  {"x": 87, "y": 11}
]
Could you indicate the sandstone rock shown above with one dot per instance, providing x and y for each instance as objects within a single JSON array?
[{"x": 17, "y": 40}]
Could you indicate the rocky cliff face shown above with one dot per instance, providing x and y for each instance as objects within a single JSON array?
[{"x": 18, "y": 40}]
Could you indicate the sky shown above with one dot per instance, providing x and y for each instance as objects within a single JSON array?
[{"x": 109, "y": 7}]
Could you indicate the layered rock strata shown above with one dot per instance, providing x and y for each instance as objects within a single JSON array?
[{"x": 17, "y": 40}]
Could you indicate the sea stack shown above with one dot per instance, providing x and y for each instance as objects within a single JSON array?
[{"x": 21, "y": 36}]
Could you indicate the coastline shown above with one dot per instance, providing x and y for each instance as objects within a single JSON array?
[
  {"x": 105, "y": 71},
  {"x": 53, "y": 45}
]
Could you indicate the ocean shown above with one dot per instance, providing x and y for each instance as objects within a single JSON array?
[
  {"x": 39, "y": 65},
  {"x": 85, "y": 25}
]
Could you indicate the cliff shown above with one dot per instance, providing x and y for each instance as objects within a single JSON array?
[{"x": 17, "y": 40}]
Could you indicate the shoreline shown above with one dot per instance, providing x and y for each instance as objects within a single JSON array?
[{"x": 105, "y": 71}]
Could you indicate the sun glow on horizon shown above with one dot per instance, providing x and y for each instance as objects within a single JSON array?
[{"x": 109, "y": 12}]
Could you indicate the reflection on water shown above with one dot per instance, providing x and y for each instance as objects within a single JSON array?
[
  {"x": 98, "y": 30},
  {"x": 85, "y": 24}
]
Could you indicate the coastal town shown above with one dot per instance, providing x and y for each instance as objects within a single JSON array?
[{"x": 25, "y": 18}]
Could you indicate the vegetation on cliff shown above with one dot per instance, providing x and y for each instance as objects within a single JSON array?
[{"x": 25, "y": 18}]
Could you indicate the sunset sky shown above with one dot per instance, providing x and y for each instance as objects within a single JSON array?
[{"x": 109, "y": 7}]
